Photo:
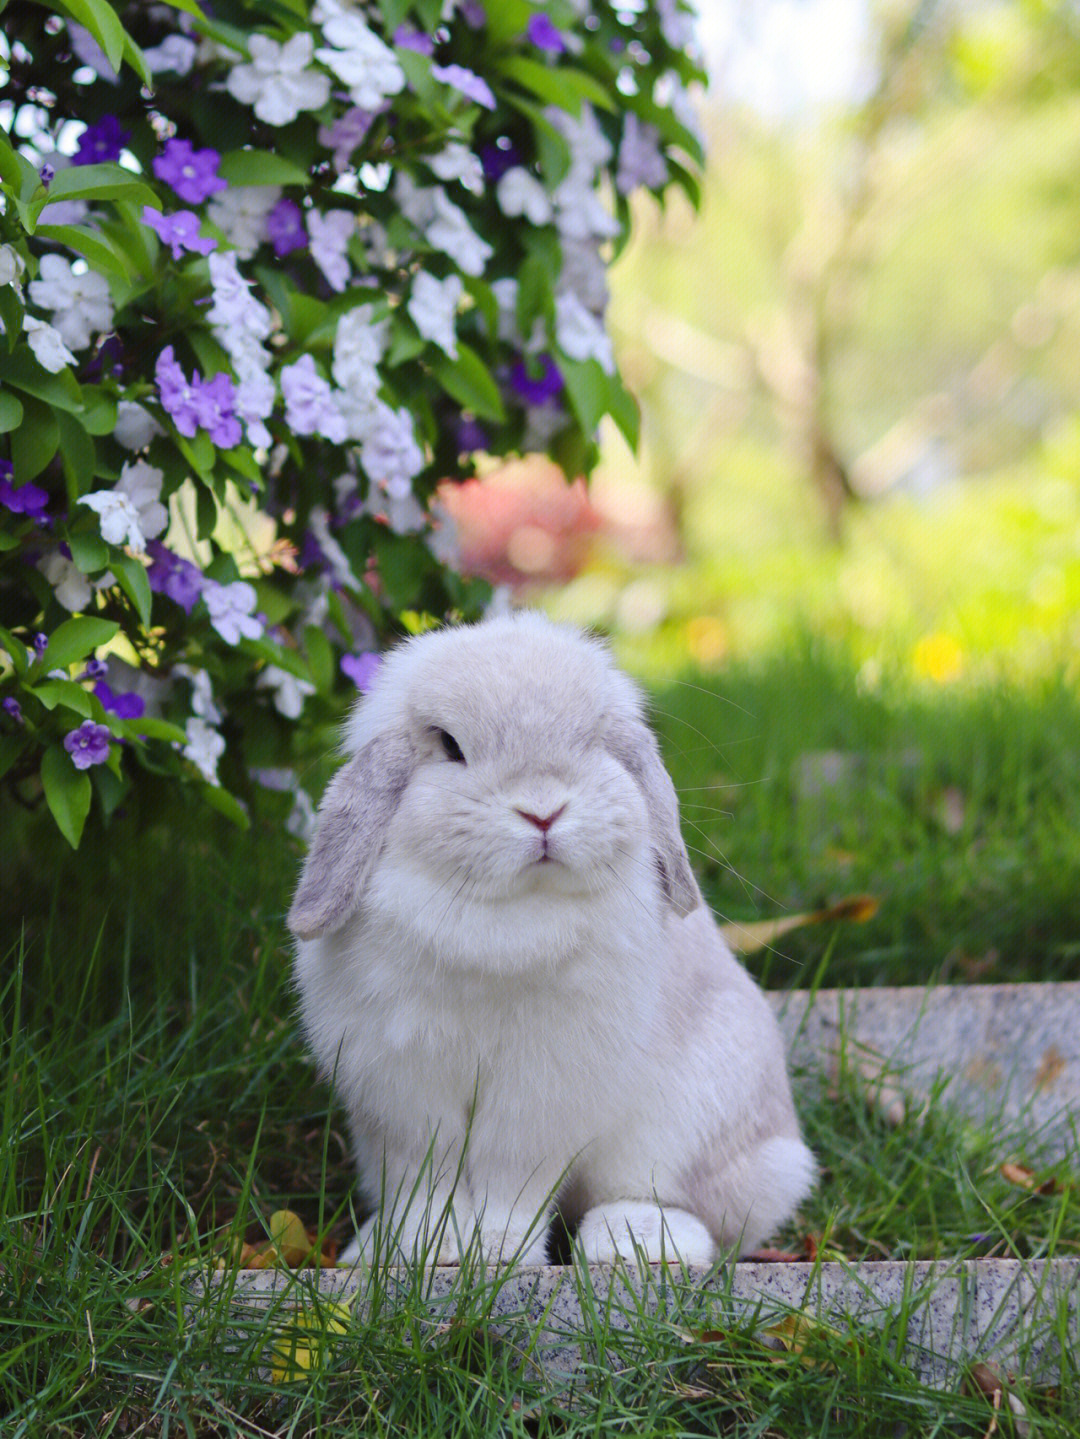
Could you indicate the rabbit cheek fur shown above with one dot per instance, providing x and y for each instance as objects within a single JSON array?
[{"x": 505, "y": 966}]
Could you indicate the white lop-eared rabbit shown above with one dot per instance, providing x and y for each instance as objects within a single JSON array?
[{"x": 506, "y": 966}]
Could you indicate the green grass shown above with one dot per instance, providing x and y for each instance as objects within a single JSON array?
[{"x": 157, "y": 1099}]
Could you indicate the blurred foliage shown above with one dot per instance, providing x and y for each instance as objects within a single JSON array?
[{"x": 860, "y": 368}]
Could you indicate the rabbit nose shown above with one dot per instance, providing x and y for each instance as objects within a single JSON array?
[{"x": 542, "y": 822}]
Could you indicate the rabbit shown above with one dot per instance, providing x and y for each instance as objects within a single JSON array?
[{"x": 506, "y": 966}]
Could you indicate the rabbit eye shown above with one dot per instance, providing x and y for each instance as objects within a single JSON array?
[{"x": 451, "y": 748}]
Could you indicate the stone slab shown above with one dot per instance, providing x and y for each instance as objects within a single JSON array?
[
  {"x": 1000, "y": 1050},
  {"x": 992, "y": 1051},
  {"x": 940, "y": 1316}
]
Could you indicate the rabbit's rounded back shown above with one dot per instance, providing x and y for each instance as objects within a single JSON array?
[{"x": 498, "y": 771}]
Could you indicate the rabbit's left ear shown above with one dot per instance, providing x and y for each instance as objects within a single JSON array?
[
  {"x": 633, "y": 744},
  {"x": 353, "y": 817}
]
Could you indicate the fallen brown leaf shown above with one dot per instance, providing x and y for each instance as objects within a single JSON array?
[
  {"x": 1026, "y": 1178},
  {"x": 758, "y": 934}
]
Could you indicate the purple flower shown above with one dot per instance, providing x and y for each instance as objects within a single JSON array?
[
  {"x": 95, "y": 670},
  {"x": 285, "y": 226},
  {"x": 191, "y": 173},
  {"x": 180, "y": 231},
  {"x": 171, "y": 575},
  {"x": 471, "y": 436},
  {"x": 46, "y": 174},
  {"x": 216, "y": 403},
  {"x": 542, "y": 33},
  {"x": 101, "y": 142},
  {"x": 22, "y": 499},
  {"x": 496, "y": 161},
  {"x": 346, "y": 133},
  {"x": 123, "y": 706},
  {"x": 361, "y": 669},
  {"x": 88, "y": 745},
  {"x": 473, "y": 13},
  {"x": 41, "y": 641},
  {"x": 11, "y": 707},
  {"x": 537, "y": 389},
  {"x": 466, "y": 82},
  {"x": 178, "y": 398},
  {"x": 409, "y": 39}
]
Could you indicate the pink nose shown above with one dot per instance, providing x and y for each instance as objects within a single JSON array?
[{"x": 542, "y": 822}]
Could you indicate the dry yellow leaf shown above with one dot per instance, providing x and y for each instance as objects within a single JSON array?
[{"x": 758, "y": 934}]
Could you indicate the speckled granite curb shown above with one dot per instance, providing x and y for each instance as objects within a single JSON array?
[
  {"x": 940, "y": 1316},
  {"x": 1011, "y": 1050},
  {"x": 1003, "y": 1049}
]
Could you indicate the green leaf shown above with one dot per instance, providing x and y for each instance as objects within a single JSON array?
[
  {"x": 625, "y": 411},
  {"x": 75, "y": 639},
  {"x": 77, "y": 453},
  {"x": 320, "y": 655},
  {"x": 561, "y": 85},
  {"x": 469, "y": 381},
  {"x": 36, "y": 440},
  {"x": 102, "y": 21},
  {"x": 89, "y": 551},
  {"x": 147, "y": 728},
  {"x": 220, "y": 799},
  {"x": 67, "y": 792},
  {"x": 132, "y": 578},
  {"x": 51, "y": 693},
  {"x": 587, "y": 391},
  {"x": 18, "y": 652},
  {"x": 101, "y": 253},
  {"x": 199, "y": 452},
  {"x": 22, "y": 372},
  {"x": 260, "y": 167},
  {"x": 108, "y": 181},
  {"x": 12, "y": 312},
  {"x": 99, "y": 415},
  {"x": 11, "y": 412}
]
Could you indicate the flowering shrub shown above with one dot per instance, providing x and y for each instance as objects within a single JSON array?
[{"x": 269, "y": 274}]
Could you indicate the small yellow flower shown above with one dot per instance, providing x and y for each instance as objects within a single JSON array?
[{"x": 938, "y": 657}]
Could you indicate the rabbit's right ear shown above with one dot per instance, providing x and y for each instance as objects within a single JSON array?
[{"x": 353, "y": 817}]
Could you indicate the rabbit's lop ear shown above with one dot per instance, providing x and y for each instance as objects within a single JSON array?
[
  {"x": 356, "y": 809},
  {"x": 632, "y": 743}
]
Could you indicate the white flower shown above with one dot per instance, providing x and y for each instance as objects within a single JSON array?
[
  {"x": 80, "y": 302},
  {"x": 48, "y": 346},
  {"x": 88, "y": 50},
  {"x": 451, "y": 232},
  {"x": 289, "y": 691},
  {"x": 239, "y": 321},
  {"x": 330, "y": 235},
  {"x": 310, "y": 407},
  {"x": 232, "y": 609},
  {"x": 520, "y": 193},
  {"x": 360, "y": 60},
  {"x": 416, "y": 202},
  {"x": 131, "y": 512},
  {"x": 175, "y": 53},
  {"x": 390, "y": 454},
  {"x": 240, "y": 212},
  {"x": 70, "y": 586},
  {"x": 458, "y": 162},
  {"x": 204, "y": 748},
  {"x": 580, "y": 335},
  {"x": 403, "y": 513},
  {"x": 580, "y": 213},
  {"x": 202, "y": 695},
  {"x": 135, "y": 427},
  {"x": 278, "y": 83},
  {"x": 641, "y": 161},
  {"x": 359, "y": 342},
  {"x": 676, "y": 25},
  {"x": 12, "y": 265},
  {"x": 443, "y": 541},
  {"x": 590, "y": 148},
  {"x": 335, "y": 556},
  {"x": 584, "y": 273},
  {"x": 255, "y": 395},
  {"x": 432, "y": 307}
]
